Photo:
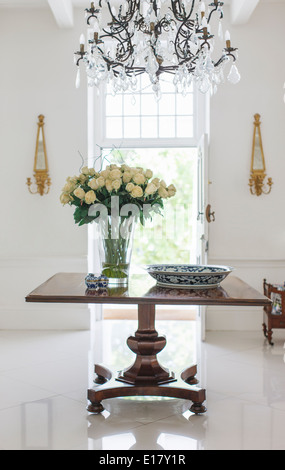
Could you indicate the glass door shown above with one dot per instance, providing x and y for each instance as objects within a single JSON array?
[{"x": 170, "y": 238}]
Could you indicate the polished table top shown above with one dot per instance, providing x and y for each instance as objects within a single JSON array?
[{"x": 142, "y": 289}]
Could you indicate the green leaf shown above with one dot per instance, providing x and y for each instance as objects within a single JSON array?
[
  {"x": 80, "y": 213},
  {"x": 86, "y": 220}
]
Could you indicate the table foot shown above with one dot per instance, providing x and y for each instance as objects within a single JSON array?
[
  {"x": 103, "y": 374},
  {"x": 198, "y": 408},
  {"x": 95, "y": 408},
  {"x": 189, "y": 375}
]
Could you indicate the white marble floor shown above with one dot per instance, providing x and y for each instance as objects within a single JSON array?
[{"x": 44, "y": 376}]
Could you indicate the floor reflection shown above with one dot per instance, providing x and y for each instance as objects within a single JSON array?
[
  {"x": 168, "y": 425},
  {"x": 44, "y": 378}
]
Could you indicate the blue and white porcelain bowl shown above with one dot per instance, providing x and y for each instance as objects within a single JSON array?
[{"x": 188, "y": 276}]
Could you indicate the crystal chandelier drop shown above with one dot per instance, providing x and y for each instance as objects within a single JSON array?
[{"x": 156, "y": 37}]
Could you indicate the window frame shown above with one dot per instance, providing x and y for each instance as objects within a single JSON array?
[{"x": 98, "y": 109}]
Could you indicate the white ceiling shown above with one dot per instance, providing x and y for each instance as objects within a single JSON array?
[
  {"x": 38, "y": 3},
  {"x": 78, "y": 3},
  {"x": 241, "y": 10}
]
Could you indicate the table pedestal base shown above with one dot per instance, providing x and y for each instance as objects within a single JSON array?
[
  {"x": 113, "y": 387},
  {"x": 146, "y": 377}
]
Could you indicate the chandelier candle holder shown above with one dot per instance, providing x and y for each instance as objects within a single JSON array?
[{"x": 155, "y": 37}]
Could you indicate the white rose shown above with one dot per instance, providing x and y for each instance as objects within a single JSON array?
[
  {"x": 82, "y": 178},
  {"x": 72, "y": 179},
  {"x": 91, "y": 172},
  {"x": 150, "y": 189},
  {"x": 93, "y": 184},
  {"x": 127, "y": 176},
  {"x": 90, "y": 197},
  {"x": 137, "y": 192},
  {"x": 115, "y": 174},
  {"x": 116, "y": 184},
  {"x": 68, "y": 187},
  {"x": 171, "y": 190},
  {"x": 65, "y": 198},
  {"x": 125, "y": 167},
  {"x": 80, "y": 193},
  {"x": 100, "y": 182},
  {"x": 105, "y": 174},
  {"x": 130, "y": 187},
  {"x": 109, "y": 185},
  {"x": 85, "y": 170},
  {"x": 139, "y": 178},
  {"x": 148, "y": 174},
  {"x": 162, "y": 192},
  {"x": 156, "y": 182}
]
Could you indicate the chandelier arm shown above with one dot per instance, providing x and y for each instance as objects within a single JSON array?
[
  {"x": 224, "y": 57},
  {"x": 185, "y": 34},
  {"x": 129, "y": 50},
  {"x": 215, "y": 8},
  {"x": 128, "y": 17},
  {"x": 80, "y": 58},
  {"x": 93, "y": 11},
  {"x": 220, "y": 61},
  {"x": 179, "y": 16},
  {"x": 205, "y": 43}
]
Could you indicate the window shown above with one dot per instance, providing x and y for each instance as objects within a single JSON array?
[{"x": 141, "y": 116}]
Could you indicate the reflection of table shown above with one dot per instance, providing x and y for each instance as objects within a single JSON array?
[{"x": 146, "y": 376}]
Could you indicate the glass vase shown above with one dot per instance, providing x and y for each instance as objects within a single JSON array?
[{"x": 115, "y": 241}]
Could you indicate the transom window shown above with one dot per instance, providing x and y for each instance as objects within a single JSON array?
[{"x": 140, "y": 115}]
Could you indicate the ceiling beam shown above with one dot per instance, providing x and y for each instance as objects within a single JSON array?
[
  {"x": 63, "y": 12},
  {"x": 241, "y": 10}
]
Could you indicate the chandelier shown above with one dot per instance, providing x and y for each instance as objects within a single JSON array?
[{"x": 159, "y": 38}]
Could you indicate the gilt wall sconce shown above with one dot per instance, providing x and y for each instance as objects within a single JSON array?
[
  {"x": 42, "y": 180},
  {"x": 258, "y": 169}
]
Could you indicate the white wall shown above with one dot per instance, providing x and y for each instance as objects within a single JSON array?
[
  {"x": 38, "y": 236},
  {"x": 249, "y": 232}
]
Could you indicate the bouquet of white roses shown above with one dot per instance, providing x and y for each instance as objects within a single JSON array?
[{"x": 132, "y": 184}]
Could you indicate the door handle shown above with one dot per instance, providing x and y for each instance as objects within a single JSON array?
[{"x": 210, "y": 216}]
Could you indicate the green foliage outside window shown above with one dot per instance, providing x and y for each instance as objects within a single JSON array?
[{"x": 167, "y": 238}]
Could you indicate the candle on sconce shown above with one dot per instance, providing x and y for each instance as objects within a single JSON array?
[
  {"x": 205, "y": 26},
  {"x": 82, "y": 42},
  {"x": 228, "y": 39}
]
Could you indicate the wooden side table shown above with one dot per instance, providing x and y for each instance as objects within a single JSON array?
[
  {"x": 146, "y": 376},
  {"x": 274, "y": 314}
]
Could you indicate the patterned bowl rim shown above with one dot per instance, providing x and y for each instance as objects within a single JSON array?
[{"x": 224, "y": 269}]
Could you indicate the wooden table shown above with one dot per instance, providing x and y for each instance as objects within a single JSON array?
[{"x": 146, "y": 376}]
